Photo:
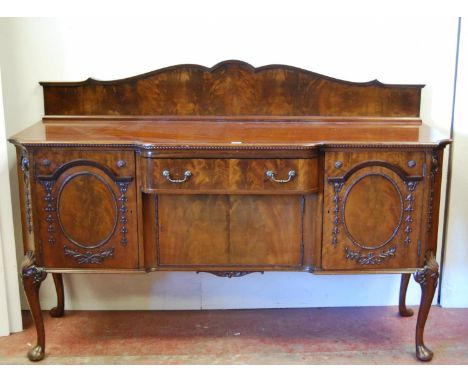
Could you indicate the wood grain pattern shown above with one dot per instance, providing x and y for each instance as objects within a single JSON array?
[
  {"x": 379, "y": 193},
  {"x": 193, "y": 229},
  {"x": 86, "y": 215},
  {"x": 47, "y": 162},
  {"x": 228, "y": 230},
  {"x": 229, "y": 176},
  {"x": 83, "y": 198},
  {"x": 378, "y": 225},
  {"x": 220, "y": 131},
  {"x": 231, "y": 88},
  {"x": 266, "y": 230}
]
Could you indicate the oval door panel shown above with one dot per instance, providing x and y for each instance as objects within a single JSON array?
[
  {"x": 372, "y": 210},
  {"x": 87, "y": 209}
]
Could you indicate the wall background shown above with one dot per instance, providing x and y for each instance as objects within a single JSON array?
[
  {"x": 10, "y": 314},
  {"x": 403, "y": 50},
  {"x": 454, "y": 292}
]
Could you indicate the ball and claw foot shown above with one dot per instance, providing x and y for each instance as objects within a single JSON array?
[
  {"x": 36, "y": 354},
  {"x": 423, "y": 353}
]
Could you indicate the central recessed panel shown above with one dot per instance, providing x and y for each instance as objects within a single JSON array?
[
  {"x": 230, "y": 230},
  {"x": 87, "y": 210},
  {"x": 372, "y": 209}
]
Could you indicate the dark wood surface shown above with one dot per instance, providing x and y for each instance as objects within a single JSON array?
[
  {"x": 231, "y": 88},
  {"x": 231, "y": 176},
  {"x": 85, "y": 209},
  {"x": 170, "y": 170},
  {"x": 368, "y": 199}
]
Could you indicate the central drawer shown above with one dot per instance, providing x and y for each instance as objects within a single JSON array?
[{"x": 229, "y": 176}]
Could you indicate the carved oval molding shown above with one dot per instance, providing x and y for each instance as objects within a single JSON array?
[
  {"x": 372, "y": 210},
  {"x": 87, "y": 209}
]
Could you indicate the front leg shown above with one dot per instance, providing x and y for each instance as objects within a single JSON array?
[
  {"x": 58, "y": 311},
  {"x": 427, "y": 278},
  {"x": 32, "y": 278}
]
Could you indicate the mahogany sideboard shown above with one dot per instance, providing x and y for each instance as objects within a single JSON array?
[{"x": 229, "y": 170}]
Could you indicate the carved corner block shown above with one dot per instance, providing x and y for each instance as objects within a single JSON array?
[
  {"x": 430, "y": 272},
  {"x": 29, "y": 269}
]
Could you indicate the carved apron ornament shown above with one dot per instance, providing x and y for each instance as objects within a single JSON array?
[
  {"x": 89, "y": 257},
  {"x": 370, "y": 258}
]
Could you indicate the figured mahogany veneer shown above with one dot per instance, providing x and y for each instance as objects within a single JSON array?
[
  {"x": 229, "y": 170},
  {"x": 230, "y": 176},
  {"x": 231, "y": 88}
]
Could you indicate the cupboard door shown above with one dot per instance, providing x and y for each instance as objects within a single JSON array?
[
  {"x": 230, "y": 230},
  {"x": 193, "y": 229},
  {"x": 87, "y": 215},
  {"x": 372, "y": 210},
  {"x": 266, "y": 230}
]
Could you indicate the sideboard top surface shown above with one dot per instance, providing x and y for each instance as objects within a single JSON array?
[{"x": 227, "y": 133}]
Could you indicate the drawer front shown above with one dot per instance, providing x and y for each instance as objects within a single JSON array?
[
  {"x": 86, "y": 209},
  {"x": 339, "y": 163},
  {"x": 120, "y": 163},
  {"x": 248, "y": 176}
]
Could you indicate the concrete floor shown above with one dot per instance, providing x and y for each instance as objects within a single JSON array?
[{"x": 366, "y": 335}]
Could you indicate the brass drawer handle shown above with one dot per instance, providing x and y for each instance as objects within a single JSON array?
[
  {"x": 271, "y": 175},
  {"x": 167, "y": 175}
]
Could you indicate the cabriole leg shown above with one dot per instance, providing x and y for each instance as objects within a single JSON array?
[
  {"x": 58, "y": 311},
  {"x": 404, "y": 311},
  {"x": 32, "y": 278},
  {"x": 427, "y": 278}
]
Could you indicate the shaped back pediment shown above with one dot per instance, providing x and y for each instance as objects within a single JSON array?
[{"x": 231, "y": 88}]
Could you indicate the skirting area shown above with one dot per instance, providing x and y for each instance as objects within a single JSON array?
[{"x": 365, "y": 335}]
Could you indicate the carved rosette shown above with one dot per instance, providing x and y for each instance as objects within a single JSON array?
[
  {"x": 370, "y": 258},
  {"x": 49, "y": 209},
  {"x": 123, "y": 187},
  {"x": 409, "y": 208},
  {"x": 27, "y": 194},
  {"x": 337, "y": 186},
  {"x": 89, "y": 257},
  {"x": 29, "y": 269}
]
